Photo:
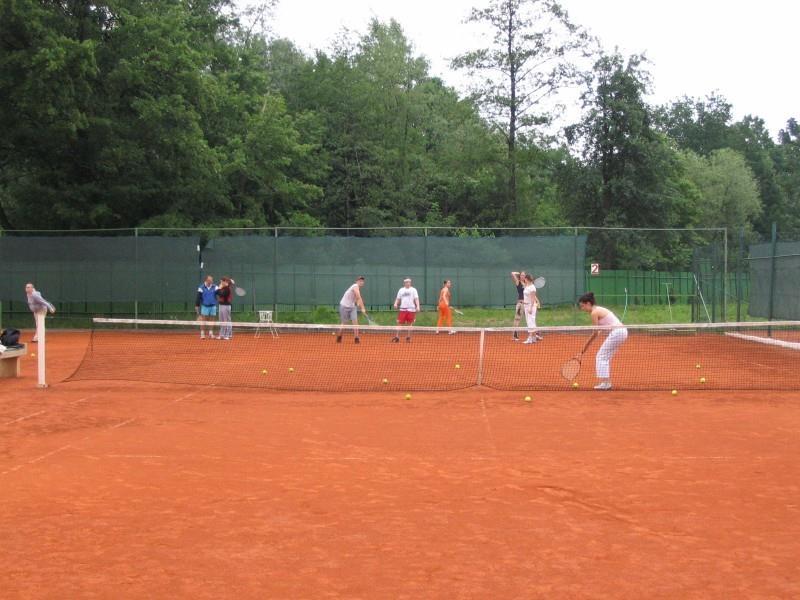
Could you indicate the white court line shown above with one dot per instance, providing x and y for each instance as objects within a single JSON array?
[
  {"x": 25, "y": 417},
  {"x": 488, "y": 426},
  {"x": 41, "y": 412},
  {"x": 74, "y": 444}
]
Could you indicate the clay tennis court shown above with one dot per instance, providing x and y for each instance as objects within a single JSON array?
[{"x": 131, "y": 489}]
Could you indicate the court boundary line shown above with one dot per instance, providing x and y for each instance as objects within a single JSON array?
[{"x": 93, "y": 435}]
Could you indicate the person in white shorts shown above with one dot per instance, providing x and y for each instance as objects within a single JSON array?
[
  {"x": 407, "y": 305},
  {"x": 602, "y": 317},
  {"x": 531, "y": 305},
  {"x": 348, "y": 308}
]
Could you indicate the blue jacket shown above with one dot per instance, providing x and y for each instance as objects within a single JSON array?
[{"x": 207, "y": 296}]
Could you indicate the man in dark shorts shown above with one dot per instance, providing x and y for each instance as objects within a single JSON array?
[{"x": 517, "y": 277}]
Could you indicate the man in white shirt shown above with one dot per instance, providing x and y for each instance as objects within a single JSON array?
[{"x": 407, "y": 303}]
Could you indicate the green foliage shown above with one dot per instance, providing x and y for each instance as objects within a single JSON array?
[
  {"x": 531, "y": 56},
  {"x": 728, "y": 192},
  {"x": 629, "y": 175},
  {"x": 184, "y": 114}
]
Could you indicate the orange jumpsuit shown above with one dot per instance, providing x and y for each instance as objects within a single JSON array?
[{"x": 445, "y": 312}]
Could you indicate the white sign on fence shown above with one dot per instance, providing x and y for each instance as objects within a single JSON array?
[{"x": 594, "y": 269}]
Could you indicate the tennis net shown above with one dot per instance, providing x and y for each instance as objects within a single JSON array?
[{"x": 309, "y": 357}]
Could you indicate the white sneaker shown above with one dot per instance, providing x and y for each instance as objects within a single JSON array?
[
  {"x": 451, "y": 333},
  {"x": 603, "y": 385},
  {"x": 529, "y": 341}
]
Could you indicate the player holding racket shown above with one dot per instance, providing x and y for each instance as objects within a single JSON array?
[
  {"x": 224, "y": 297},
  {"x": 348, "y": 308},
  {"x": 519, "y": 309},
  {"x": 602, "y": 317},
  {"x": 407, "y": 305},
  {"x": 530, "y": 301},
  {"x": 445, "y": 310}
]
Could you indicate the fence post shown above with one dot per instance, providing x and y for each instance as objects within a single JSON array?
[
  {"x": 425, "y": 267},
  {"x": 136, "y": 277},
  {"x": 725, "y": 277},
  {"x": 772, "y": 274},
  {"x": 739, "y": 264},
  {"x": 275, "y": 275},
  {"x": 575, "y": 283}
]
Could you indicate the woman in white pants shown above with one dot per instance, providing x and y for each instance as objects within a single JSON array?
[
  {"x": 530, "y": 306},
  {"x": 602, "y": 317}
]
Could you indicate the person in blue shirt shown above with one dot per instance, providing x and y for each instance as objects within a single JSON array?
[{"x": 206, "y": 306}]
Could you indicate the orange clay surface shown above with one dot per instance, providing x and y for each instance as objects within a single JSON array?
[{"x": 144, "y": 490}]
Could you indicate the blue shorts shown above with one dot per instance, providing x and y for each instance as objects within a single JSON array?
[{"x": 208, "y": 311}]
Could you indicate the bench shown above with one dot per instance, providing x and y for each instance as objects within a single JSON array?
[{"x": 10, "y": 364}]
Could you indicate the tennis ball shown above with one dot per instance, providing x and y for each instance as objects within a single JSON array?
[
  {"x": 408, "y": 396},
  {"x": 385, "y": 381},
  {"x": 527, "y": 398},
  {"x": 458, "y": 366},
  {"x": 291, "y": 370},
  {"x": 674, "y": 392},
  {"x": 575, "y": 385},
  {"x": 33, "y": 354},
  {"x": 702, "y": 380},
  {"x": 263, "y": 371},
  {"x": 697, "y": 366}
]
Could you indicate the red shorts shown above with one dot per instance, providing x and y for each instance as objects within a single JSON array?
[{"x": 406, "y": 317}]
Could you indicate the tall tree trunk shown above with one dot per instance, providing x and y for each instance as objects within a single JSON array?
[{"x": 512, "y": 120}]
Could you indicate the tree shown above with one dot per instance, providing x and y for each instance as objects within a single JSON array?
[
  {"x": 701, "y": 126},
  {"x": 628, "y": 175},
  {"x": 530, "y": 58},
  {"x": 728, "y": 189}
]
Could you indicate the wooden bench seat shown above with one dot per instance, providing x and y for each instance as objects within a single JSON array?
[{"x": 10, "y": 363}]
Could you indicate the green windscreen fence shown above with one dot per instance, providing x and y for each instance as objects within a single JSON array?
[
  {"x": 315, "y": 270},
  {"x": 158, "y": 271},
  {"x": 99, "y": 273},
  {"x": 775, "y": 280}
]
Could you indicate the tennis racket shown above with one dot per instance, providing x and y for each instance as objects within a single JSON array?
[
  {"x": 240, "y": 291},
  {"x": 369, "y": 320},
  {"x": 540, "y": 282},
  {"x": 458, "y": 312},
  {"x": 571, "y": 368}
]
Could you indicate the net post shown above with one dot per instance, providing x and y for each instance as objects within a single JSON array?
[
  {"x": 40, "y": 336},
  {"x": 479, "y": 380}
]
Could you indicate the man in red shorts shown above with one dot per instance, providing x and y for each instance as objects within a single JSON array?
[{"x": 407, "y": 303}]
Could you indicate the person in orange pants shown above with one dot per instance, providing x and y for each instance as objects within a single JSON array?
[{"x": 445, "y": 312}]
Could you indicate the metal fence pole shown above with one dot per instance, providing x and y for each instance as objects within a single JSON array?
[
  {"x": 575, "y": 277},
  {"x": 136, "y": 276},
  {"x": 725, "y": 277},
  {"x": 275, "y": 275},
  {"x": 425, "y": 267},
  {"x": 773, "y": 268}
]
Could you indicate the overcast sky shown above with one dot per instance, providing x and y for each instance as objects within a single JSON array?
[{"x": 745, "y": 50}]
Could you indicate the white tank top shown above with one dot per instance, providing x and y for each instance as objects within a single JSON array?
[
  {"x": 349, "y": 298},
  {"x": 609, "y": 320}
]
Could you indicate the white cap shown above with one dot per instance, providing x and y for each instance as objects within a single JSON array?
[{"x": 407, "y": 279}]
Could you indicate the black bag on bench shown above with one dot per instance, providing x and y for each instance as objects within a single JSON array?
[{"x": 10, "y": 338}]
